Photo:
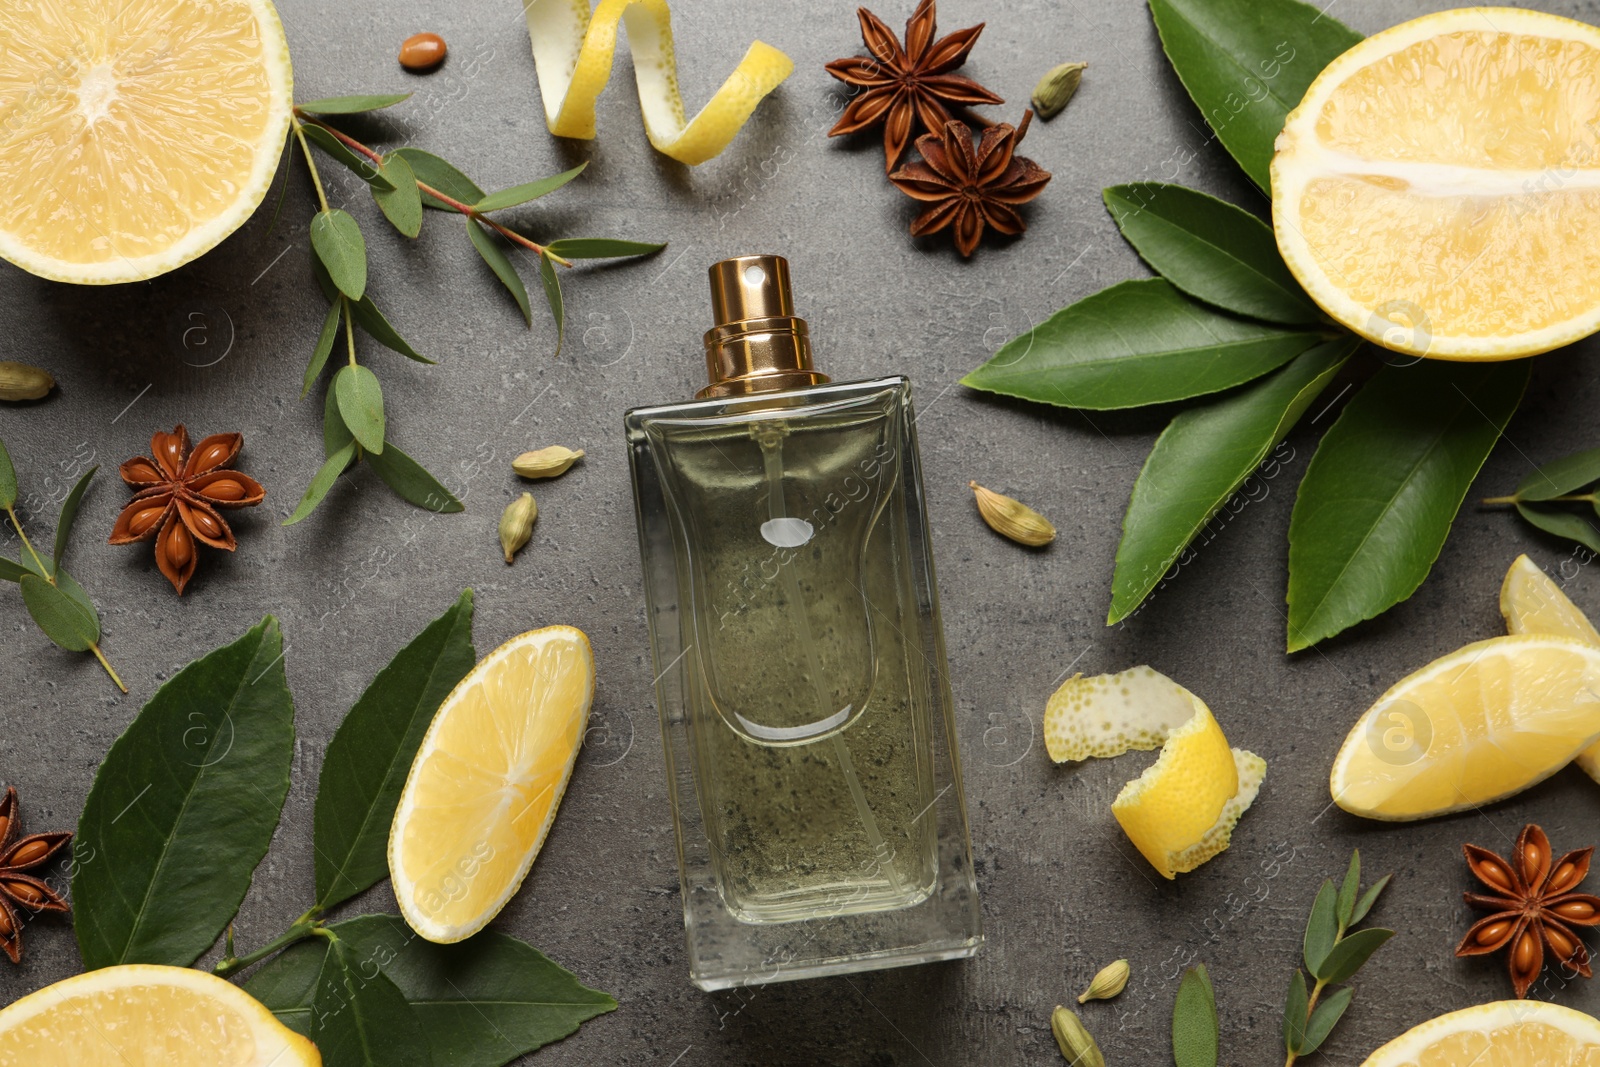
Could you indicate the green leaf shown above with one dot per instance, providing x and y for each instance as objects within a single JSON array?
[
  {"x": 1211, "y": 250},
  {"x": 521, "y": 194},
  {"x": 482, "y": 1002},
  {"x": 1322, "y": 929},
  {"x": 1247, "y": 64},
  {"x": 362, "y": 167},
  {"x": 1140, "y": 342},
  {"x": 1201, "y": 460},
  {"x": 69, "y": 515},
  {"x": 319, "y": 358},
  {"x": 351, "y": 105},
  {"x": 8, "y": 479},
  {"x": 322, "y": 481},
  {"x": 1365, "y": 904},
  {"x": 183, "y": 808},
  {"x": 493, "y": 254},
  {"x": 361, "y": 405},
  {"x": 552, "y": 294},
  {"x": 1350, "y": 953},
  {"x": 1194, "y": 1021},
  {"x": 401, "y": 205},
  {"x": 1347, "y": 893},
  {"x": 370, "y": 755},
  {"x": 600, "y": 248},
  {"x": 411, "y": 481},
  {"x": 431, "y": 170},
  {"x": 370, "y": 319},
  {"x": 62, "y": 618},
  {"x": 335, "y": 434},
  {"x": 1567, "y": 524},
  {"x": 1296, "y": 1007},
  {"x": 358, "y": 1017},
  {"x": 1378, "y": 498},
  {"x": 75, "y": 593},
  {"x": 12, "y": 571},
  {"x": 337, "y": 240},
  {"x": 1325, "y": 1018},
  {"x": 1562, "y": 476}
]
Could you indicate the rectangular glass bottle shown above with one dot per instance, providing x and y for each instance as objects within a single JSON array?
[{"x": 800, "y": 664}]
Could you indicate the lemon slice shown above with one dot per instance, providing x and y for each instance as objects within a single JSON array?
[
  {"x": 136, "y": 135},
  {"x": 484, "y": 787},
  {"x": 138, "y": 1015},
  {"x": 1510, "y": 1033},
  {"x": 1532, "y": 604},
  {"x": 1438, "y": 188},
  {"x": 1480, "y": 724},
  {"x": 1181, "y": 811}
]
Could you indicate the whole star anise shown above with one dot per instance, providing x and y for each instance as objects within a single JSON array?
[
  {"x": 968, "y": 188},
  {"x": 907, "y": 85},
  {"x": 1533, "y": 908},
  {"x": 177, "y": 497},
  {"x": 18, "y": 888}
]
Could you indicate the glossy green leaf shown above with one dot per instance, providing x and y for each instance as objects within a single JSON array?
[
  {"x": 1348, "y": 956},
  {"x": 361, "y": 405},
  {"x": 1296, "y": 1008},
  {"x": 359, "y": 1019},
  {"x": 1561, "y": 476},
  {"x": 351, "y": 105},
  {"x": 1572, "y": 525},
  {"x": 494, "y": 254},
  {"x": 433, "y": 171},
  {"x": 1247, "y": 64},
  {"x": 412, "y": 482},
  {"x": 1322, "y": 929},
  {"x": 1194, "y": 1021},
  {"x": 1378, "y": 498},
  {"x": 337, "y": 240},
  {"x": 482, "y": 1002},
  {"x": 401, "y": 204},
  {"x": 319, "y": 357},
  {"x": 361, "y": 166},
  {"x": 552, "y": 295},
  {"x": 1346, "y": 906},
  {"x": 183, "y": 808},
  {"x": 1325, "y": 1018},
  {"x": 322, "y": 481},
  {"x": 1364, "y": 905},
  {"x": 371, "y": 753},
  {"x": 335, "y": 434},
  {"x": 600, "y": 248},
  {"x": 370, "y": 319},
  {"x": 1201, "y": 460},
  {"x": 1211, "y": 250},
  {"x": 69, "y": 515},
  {"x": 1137, "y": 343},
  {"x": 8, "y": 479},
  {"x": 62, "y": 618},
  {"x": 12, "y": 571},
  {"x": 521, "y": 194}
]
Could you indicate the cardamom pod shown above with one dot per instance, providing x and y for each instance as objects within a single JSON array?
[
  {"x": 546, "y": 462},
  {"x": 1013, "y": 519},
  {"x": 1076, "y": 1043},
  {"x": 1056, "y": 88},
  {"x": 516, "y": 524},
  {"x": 18, "y": 381},
  {"x": 1112, "y": 979}
]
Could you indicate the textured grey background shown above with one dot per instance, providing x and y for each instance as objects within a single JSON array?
[{"x": 1063, "y": 891}]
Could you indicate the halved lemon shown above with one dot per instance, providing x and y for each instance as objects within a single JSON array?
[
  {"x": 1510, "y": 1033},
  {"x": 484, "y": 786},
  {"x": 138, "y": 1015},
  {"x": 135, "y": 135},
  {"x": 1438, "y": 188},
  {"x": 1532, "y": 604},
  {"x": 1470, "y": 728}
]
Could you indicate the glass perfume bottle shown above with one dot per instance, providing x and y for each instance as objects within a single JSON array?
[{"x": 799, "y": 659}]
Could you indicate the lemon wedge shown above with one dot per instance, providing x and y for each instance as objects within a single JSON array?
[
  {"x": 1470, "y": 728},
  {"x": 486, "y": 782},
  {"x": 138, "y": 1015},
  {"x": 1532, "y": 604},
  {"x": 134, "y": 136},
  {"x": 1510, "y": 1033},
  {"x": 1182, "y": 810},
  {"x": 1438, "y": 188}
]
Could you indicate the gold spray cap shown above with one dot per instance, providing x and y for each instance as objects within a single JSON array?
[{"x": 758, "y": 345}]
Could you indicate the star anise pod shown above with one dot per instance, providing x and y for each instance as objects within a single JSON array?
[
  {"x": 178, "y": 494},
  {"x": 1534, "y": 908},
  {"x": 18, "y": 888},
  {"x": 910, "y": 85},
  {"x": 969, "y": 188}
]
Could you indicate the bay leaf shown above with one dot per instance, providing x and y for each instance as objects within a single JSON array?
[
  {"x": 351, "y": 105},
  {"x": 361, "y": 405},
  {"x": 411, "y": 481},
  {"x": 521, "y": 194},
  {"x": 494, "y": 254},
  {"x": 336, "y": 239}
]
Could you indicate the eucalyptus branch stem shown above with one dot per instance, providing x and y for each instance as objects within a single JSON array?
[
  {"x": 101, "y": 656},
  {"x": 49, "y": 576},
  {"x": 308, "y": 925},
  {"x": 311, "y": 164}
]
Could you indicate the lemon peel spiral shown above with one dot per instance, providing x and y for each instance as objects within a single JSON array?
[{"x": 572, "y": 53}]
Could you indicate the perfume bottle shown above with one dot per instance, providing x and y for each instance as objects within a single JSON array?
[{"x": 800, "y": 666}]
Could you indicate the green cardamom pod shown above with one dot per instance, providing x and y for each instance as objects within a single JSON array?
[
  {"x": 1077, "y": 1044},
  {"x": 18, "y": 381},
  {"x": 1112, "y": 979},
  {"x": 516, "y": 524},
  {"x": 1056, "y": 88},
  {"x": 546, "y": 462},
  {"x": 1012, "y": 518}
]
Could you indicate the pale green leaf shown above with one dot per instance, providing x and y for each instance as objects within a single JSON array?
[
  {"x": 412, "y": 482},
  {"x": 1194, "y": 1021},
  {"x": 8, "y": 479},
  {"x": 322, "y": 481},
  {"x": 600, "y": 248},
  {"x": 319, "y": 357},
  {"x": 1323, "y": 1020},
  {"x": 1364, "y": 905},
  {"x": 69, "y": 515},
  {"x": 1296, "y": 1009},
  {"x": 552, "y": 295},
  {"x": 1322, "y": 929},
  {"x": 337, "y": 240},
  {"x": 350, "y": 105},
  {"x": 62, "y": 618},
  {"x": 402, "y": 204},
  {"x": 494, "y": 254},
  {"x": 435, "y": 172},
  {"x": 360, "y": 166},
  {"x": 1348, "y": 956},
  {"x": 521, "y": 194},
  {"x": 361, "y": 405},
  {"x": 1348, "y": 891}
]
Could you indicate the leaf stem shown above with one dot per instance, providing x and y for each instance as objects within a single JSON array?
[
  {"x": 311, "y": 164},
  {"x": 349, "y": 326},
  {"x": 1577, "y": 498},
  {"x": 101, "y": 656},
  {"x": 308, "y": 925},
  {"x": 50, "y": 576}
]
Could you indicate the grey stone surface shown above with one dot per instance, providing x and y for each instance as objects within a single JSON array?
[{"x": 221, "y": 345}]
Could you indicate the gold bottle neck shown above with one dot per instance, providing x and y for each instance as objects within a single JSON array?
[{"x": 758, "y": 344}]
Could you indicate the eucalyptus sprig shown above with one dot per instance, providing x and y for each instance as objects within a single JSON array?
[
  {"x": 1546, "y": 497},
  {"x": 404, "y": 181},
  {"x": 56, "y": 601}
]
